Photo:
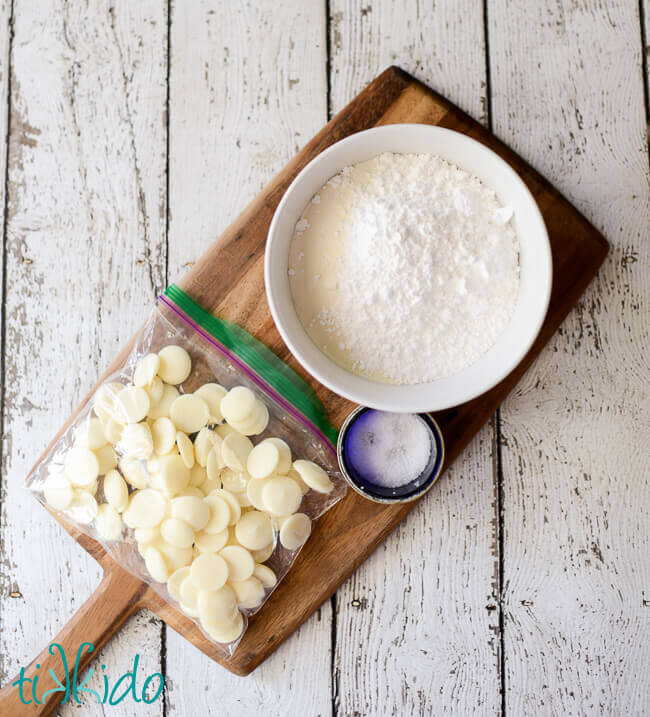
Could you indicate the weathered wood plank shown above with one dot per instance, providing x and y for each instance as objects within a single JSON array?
[
  {"x": 417, "y": 623},
  {"x": 236, "y": 118},
  {"x": 85, "y": 257},
  {"x": 575, "y": 460}
]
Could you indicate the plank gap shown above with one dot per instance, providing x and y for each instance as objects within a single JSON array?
[
  {"x": 328, "y": 59},
  {"x": 3, "y": 308},
  {"x": 488, "y": 76},
  {"x": 498, "y": 465},
  {"x": 644, "y": 70},
  {"x": 333, "y": 666},
  {"x": 500, "y": 506}
]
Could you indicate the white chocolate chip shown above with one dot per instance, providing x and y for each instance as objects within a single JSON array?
[
  {"x": 294, "y": 475},
  {"x": 175, "y": 580},
  {"x": 238, "y": 404},
  {"x": 115, "y": 490},
  {"x": 192, "y": 612},
  {"x": 284, "y": 464},
  {"x": 203, "y": 444},
  {"x": 173, "y": 475},
  {"x": 294, "y": 531},
  {"x": 263, "y": 460},
  {"x": 240, "y": 562},
  {"x": 133, "y": 472},
  {"x": 91, "y": 434},
  {"x": 57, "y": 491},
  {"x": 108, "y": 522},
  {"x": 209, "y": 571},
  {"x": 194, "y": 511},
  {"x": 146, "y": 370},
  {"x": 175, "y": 364},
  {"x": 106, "y": 459},
  {"x": 224, "y": 430},
  {"x": 197, "y": 474},
  {"x": 225, "y": 632},
  {"x": 233, "y": 481},
  {"x": 212, "y": 393},
  {"x": 193, "y": 491},
  {"x": 262, "y": 421},
  {"x": 177, "y": 532},
  {"x": 146, "y": 536},
  {"x": 163, "y": 432},
  {"x": 83, "y": 506},
  {"x": 137, "y": 441},
  {"x": 215, "y": 463},
  {"x": 189, "y": 412},
  {"x": 254, "y": 493},
  {"x": 281, "y": 496},
  {"x": 105, "y": 400},
  {"x": 219, "y": 514},
  {"x": 211, "y": 543},
  {"x": 261, "y": 556},
  {"x": 217, "y": 606},
  {"x": 255, "y": 423},
  {"x": 314, "y": 476},
  {"x": 132, "y": 405},
  {"x": 209, "y": 485},
  {"x": 254, "y": 530},
  {"x": 174, "y": 557},
  {"x": 185, "y": 448},
  {"x": 146, "y": 508},
  {"x": 169, "y": 395},
  {"x": 113, "y": 431},
  {"x": 243, "y": 500},
  {"x": 155, "y": 391},
  {"x": 266, "y": 576},
  {"x": 233, "y": 504},
  {"x": 81, "y": 466},
  {"x": 235, "y": 449},
  {"x": 156, "y": 564},
  {"x": 250, "y": 592}
]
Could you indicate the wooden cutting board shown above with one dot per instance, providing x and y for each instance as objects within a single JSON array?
[{"x": 228, "y": 280}]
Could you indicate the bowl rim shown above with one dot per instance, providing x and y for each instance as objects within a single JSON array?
[{"x": 421, "y": 405}]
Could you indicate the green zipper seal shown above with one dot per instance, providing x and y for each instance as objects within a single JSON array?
[{"x": 282, "y": 379}]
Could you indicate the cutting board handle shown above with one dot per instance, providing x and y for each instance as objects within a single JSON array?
[{"x": 116, "y": 598}]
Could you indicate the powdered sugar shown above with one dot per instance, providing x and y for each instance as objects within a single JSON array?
[{"x": 405, "y": 269}]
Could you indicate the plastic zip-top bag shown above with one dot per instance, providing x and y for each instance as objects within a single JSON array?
[{"x": 200, "y": 466}]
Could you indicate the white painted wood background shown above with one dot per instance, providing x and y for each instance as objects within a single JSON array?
[{"x": 136, "y": 131}]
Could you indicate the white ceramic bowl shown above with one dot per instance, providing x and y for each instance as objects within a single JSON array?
[{"x": 535, "y": 268}]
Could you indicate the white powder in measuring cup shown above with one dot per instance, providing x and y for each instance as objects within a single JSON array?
[{"x": 405, "y": 268}]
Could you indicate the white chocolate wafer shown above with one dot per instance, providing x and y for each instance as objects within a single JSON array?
[
  {"x": 209, "y": 571},
  {"x": 281, "y": 496},
  {"x": 240, "y": 562},
  {"x": 189, "y": 412},
  {"x": 294, "y": 531},
  {"x": 146, "y": 370},
  {"x": 314, "y": 476},
  {"x": 175, "y": 364}
]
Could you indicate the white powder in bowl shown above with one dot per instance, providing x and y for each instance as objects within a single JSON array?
[{"x": 405, "y": 268}]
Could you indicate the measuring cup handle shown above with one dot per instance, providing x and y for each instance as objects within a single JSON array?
[{"x": 116, "y": 598}]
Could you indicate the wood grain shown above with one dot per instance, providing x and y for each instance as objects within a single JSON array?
[
  {"x": 575, "y": 455},
  {"x": 236, "y": 118},
  {"x": 85, "y": 257},
  {"x": 403, "y": 610}
]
